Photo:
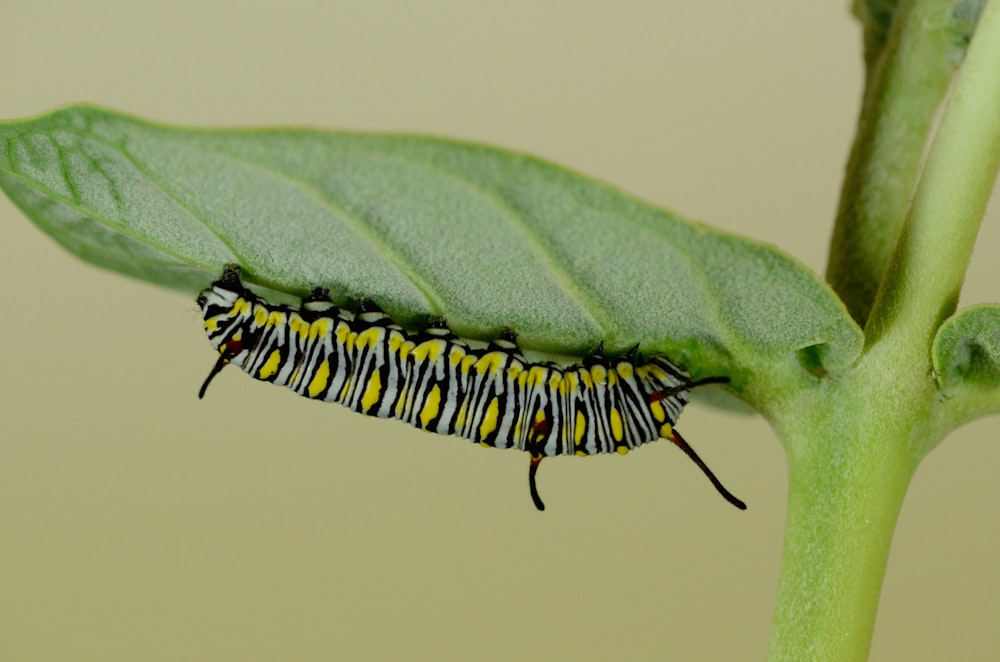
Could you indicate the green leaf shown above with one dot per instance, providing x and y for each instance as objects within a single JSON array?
[
  {"x": 485, "y": 237},
  {"x": 966, "y": 350}
]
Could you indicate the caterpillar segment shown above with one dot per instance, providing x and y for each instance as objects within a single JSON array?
[{"x": 433, "y": 380}]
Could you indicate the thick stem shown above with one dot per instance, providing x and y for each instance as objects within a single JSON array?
[
  {"x": 848, "y": 475},
  {"x": 854, "y": 442}
]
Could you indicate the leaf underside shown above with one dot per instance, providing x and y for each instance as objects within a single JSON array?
[
  {"x": 966, "y": 350},
  {"x": 484, "y": 237}
]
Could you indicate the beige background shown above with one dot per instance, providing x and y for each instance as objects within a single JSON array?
[{"x": 137, "y": 523}]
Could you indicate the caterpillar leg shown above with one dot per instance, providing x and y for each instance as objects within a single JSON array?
[
  {"x": 532, "y": 470},
  {"x": 678, "y": 441}
]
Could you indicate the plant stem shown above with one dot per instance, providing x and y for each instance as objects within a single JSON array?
[
  {"x": 848, "y": 475},
  {"x": 925, "y": 275},
  {"x": 854, "y": 442},
  {"x": 905, "y": 83}
]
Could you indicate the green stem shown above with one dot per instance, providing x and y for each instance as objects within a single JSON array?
[
  {"x": 907, "y": 77},
  {"x": 854, "y": 442},
  {"x": 925, "y": 275},
  {"x": 848, "y": 475}
]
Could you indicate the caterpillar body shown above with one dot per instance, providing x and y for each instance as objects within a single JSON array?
[{"x": 435, "y": 381}]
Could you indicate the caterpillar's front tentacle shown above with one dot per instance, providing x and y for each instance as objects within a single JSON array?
[{"x": 679, "y": 441}]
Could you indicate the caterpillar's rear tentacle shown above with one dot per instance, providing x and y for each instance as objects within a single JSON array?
[
  {"x": 216, "y": 369},
  {"x": 532, "y": 470}
]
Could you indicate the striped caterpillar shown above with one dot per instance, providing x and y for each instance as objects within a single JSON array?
[{"x": 434, "y": 381}]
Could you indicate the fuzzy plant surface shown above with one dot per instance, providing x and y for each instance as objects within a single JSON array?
[{"x": 860, "y": 374}]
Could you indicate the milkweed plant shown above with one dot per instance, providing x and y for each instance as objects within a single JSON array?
[{"x": 860, "y": 374}]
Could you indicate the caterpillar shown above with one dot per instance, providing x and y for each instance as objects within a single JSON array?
[{"x": 435, "y": 381}]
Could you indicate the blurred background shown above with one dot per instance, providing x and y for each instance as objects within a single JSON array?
[{"x": 138, "y": 523}]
